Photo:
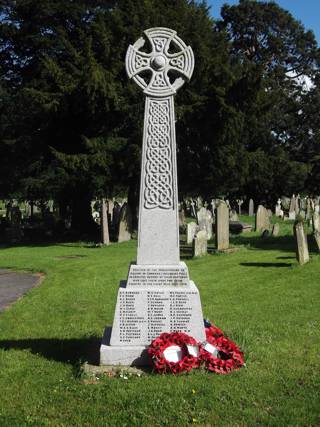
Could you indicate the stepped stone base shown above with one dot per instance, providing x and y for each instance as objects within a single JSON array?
[{"x": 143, "y": 313}]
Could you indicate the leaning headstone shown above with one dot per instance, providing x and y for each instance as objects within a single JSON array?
[
  {"x": 302, "y": 251},
  {"x": 251, "y": 207},
  {"x": 104, "y": 223},
  {"x": 200, "y": 244},
  {"x": 125, "y": 224},
  {"x": 275, "y": 230},
  {"x": 192, "y": 229},
  {"x": 262, "y": 219},
  {"x": 222, "y": 227},
  {"x": 158, "y": 295}
]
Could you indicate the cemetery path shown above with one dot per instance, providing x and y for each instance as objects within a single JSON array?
[{"x": 14, "y": 285}]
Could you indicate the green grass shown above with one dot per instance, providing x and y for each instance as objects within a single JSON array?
[{"x": 259, "y": 295}]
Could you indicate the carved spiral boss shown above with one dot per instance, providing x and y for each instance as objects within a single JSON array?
[{"x": 160, "y": 74}]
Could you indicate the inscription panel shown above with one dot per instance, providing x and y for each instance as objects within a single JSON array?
[
  {"x": 144, "y": 314},
  {"x": 158, "y": 276}
]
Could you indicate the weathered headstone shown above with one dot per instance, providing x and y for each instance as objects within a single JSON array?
[
  {"x": 302, "y": 251},
  {"x": 262, "y": 219},
  {"x": 205, "y": 221},
  {"x": 316, "y": 235},
  {"x": 125, "y": 224},
  {"x": 222, "y": 227},
  {"x": 251, "y": 207},
  {"x": 200, "y": 244},
  {"x": 158, "y": 295},
  {"x": 292, "y": 208},
  {"x": 233, "y": 216},
  {"x": 193, "y": 209},
  {"x": 316, "y": 221},
  {"x": 275, "y": 230},
  {"x": 104, "y": 223},
  {"x": 192, "y": 229}
]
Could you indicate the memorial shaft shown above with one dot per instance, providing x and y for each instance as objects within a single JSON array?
[{"x": 158, "y": 236}]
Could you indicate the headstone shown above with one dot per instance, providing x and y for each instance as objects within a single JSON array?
[
  {"x": 278, "y": 211},
  {"x": 104, "y": 223},
  {"x": 193, "y": 209},
  {"x": 302, "y": 251},
  {"x": 116, "y": 215},
  {"x": 316, "y": 235},
  {"x": 110, "y": 210},
  {"x": 222, "y": 227},
  {"x": 192, "y": 229},
  {"x": 262, "y": 219},
  {"x": 199, "y": 202},
  {"x": 240, "y": 203},
  {"x": 158, "y": 295},
  {"x": 182, "y": 217},
  {"x": 265, "y": 234},
  {"x": 316, "y": 221},
  {"x": 269, "y": 212},
  {"x": 251, "y": 207},
  {"x": 200, "y": 245},
  {"x": 205, "y": 221},
  {"x": 233, "y": 216},
  {"x": 125, "y": 224},
  {"x": 275, "y": 230},
  {"x": 292, "y": 208}
]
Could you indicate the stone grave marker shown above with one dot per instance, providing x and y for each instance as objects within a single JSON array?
[
  {"x": 251, "y": 207},
  {"x": 125, "y": 224},
  {"x": 239, "y": 203},
  {"x": 104, "y": 223},
  {"x": 193, "y": 209},
  {"x": 262, "y": 219},
  {"x": 233, "y": 216},
  {"x": 222, "y": 227},
  {"x": 302, "y": 251},
  {"x": 275, "y": 230},
  {"x": 316, "y": 235},
  {"x": 292, "y": 208},
  {"x": 158, "y": 295},
  {"x": 205, "y": 221},
  {"x": 316, "y": 221},
  {"x": 200, "y": 244},
  {"x": 192, "y": 229}
]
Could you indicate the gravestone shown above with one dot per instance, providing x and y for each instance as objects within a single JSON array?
[
  {"x": 233, "y": 216},
  {"x": 302, "y": 251},
  {"x": 205, "y": 221},
  {"x": 316, "y": 221},
  {"x": 278, "y": 211},
  {"x": 275, "y": 230},
  {"x": 239, "y": 203},
  {"x": 200, "y": 244},
  {"x": 110, "y": 210},
  {"x": 182, "y": 217},
  {"x": 193, "y": 209},
  {"x": 222, "y": 227},
  {"x": 125, "y": 224},
  {"x": 158, "y": 295},
  {"x": 292, "y": 208},
  {"x": 192, "y": 229},
  {"x": 262, "y": 219},
  {"x": 251, "y": 207},
  {"x": 316, "y": 235},
  {"x": 104, "y": 223}
]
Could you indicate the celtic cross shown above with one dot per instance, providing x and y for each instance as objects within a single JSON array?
[{"x": 160, "y": 73}]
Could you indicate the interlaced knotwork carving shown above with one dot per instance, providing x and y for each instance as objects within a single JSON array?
[{"x": 158, "y": 191}]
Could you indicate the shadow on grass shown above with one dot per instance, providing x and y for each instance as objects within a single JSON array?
[
  {"x": 265, "y": 264},
  {"x": 73, "y": 351}
]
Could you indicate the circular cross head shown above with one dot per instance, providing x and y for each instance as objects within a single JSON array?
[{"x": 160, "y": 73}]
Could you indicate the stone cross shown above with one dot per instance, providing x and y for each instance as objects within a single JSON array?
[
  {"x": 158, "y": 295},
  {"x": 158, "y": 241}
]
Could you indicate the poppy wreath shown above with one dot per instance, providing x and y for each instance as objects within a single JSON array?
[
  {"x": 219, "y": 354},
  {"x": 157, "y": 353}
]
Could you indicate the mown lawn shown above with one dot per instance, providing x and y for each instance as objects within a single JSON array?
[{"x": 259, "y": 296}]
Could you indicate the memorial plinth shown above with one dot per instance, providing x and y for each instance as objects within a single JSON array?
[{"x": 158, "y": 295}]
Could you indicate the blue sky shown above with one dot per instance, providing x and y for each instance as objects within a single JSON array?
[{"x": 306, "y": 11}]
